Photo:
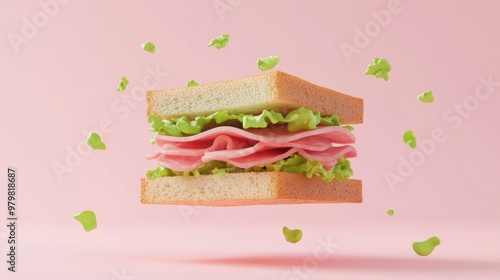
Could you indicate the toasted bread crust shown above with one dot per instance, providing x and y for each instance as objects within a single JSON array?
[
  {"x": 276, "y": 91},
  {"x": 251, "y": 188}
]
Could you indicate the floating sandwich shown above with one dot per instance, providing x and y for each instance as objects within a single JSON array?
[{"x": 267, "y": 139}]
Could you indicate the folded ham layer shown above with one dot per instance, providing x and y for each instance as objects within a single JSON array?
[{"x": 252, "y": 147}]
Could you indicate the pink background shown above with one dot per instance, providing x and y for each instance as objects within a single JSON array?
[{"x": 61, "y": 79}]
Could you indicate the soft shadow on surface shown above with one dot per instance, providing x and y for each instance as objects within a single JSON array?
[{"x": 353, "y": 263}]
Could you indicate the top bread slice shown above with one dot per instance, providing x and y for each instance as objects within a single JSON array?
[{"x": 276, "y": 91}]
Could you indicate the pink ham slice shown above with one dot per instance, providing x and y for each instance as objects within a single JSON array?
[
  {"x": 200, "y": 148},
  {"x": 247, "y": 148},
  {"x": 275, "y": 134},
  {"x": 264, "y": 157},
  {"x": 180, "y": 163}
]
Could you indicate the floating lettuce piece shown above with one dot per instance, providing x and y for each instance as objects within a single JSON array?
[
  {"x": 192, "y": 83},
  {"x": 267, "y": 63},
  {"x": 149, "y": 47},
  {"x": 410, "y": 139},
  {"x": 123, "y": 84},
  {"x": 390, "y": 212},
  {"x": 293, "y": 164},
  {"x": 426, "y": 247},
  {"x": 95, "y": 141},
  {"x": 426, "y": 97},
  {"x": 87, "y": 219},
  {"x": 379, "y": 67},
  {"x": 219, "y": 42},
  {"x": 299, "y": 119},
  {"x": 292, "y": 235}
]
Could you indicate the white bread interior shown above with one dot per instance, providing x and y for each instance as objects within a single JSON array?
[
  {"x": 276, "y": 91},
  {"x": 252, "y": 188}
]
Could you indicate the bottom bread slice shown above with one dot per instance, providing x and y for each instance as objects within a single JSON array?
[{"x": 250, "y": 188}]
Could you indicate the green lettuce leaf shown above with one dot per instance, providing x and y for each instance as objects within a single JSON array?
[
  {"x": 299, "y": 119},
  {"x": 293, "y": 164}
]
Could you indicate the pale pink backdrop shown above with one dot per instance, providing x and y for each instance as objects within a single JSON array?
[{"x": 58, "y": 80}]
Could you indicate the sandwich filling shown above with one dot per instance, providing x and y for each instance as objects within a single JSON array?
[{"x": 302, "y": 142}]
